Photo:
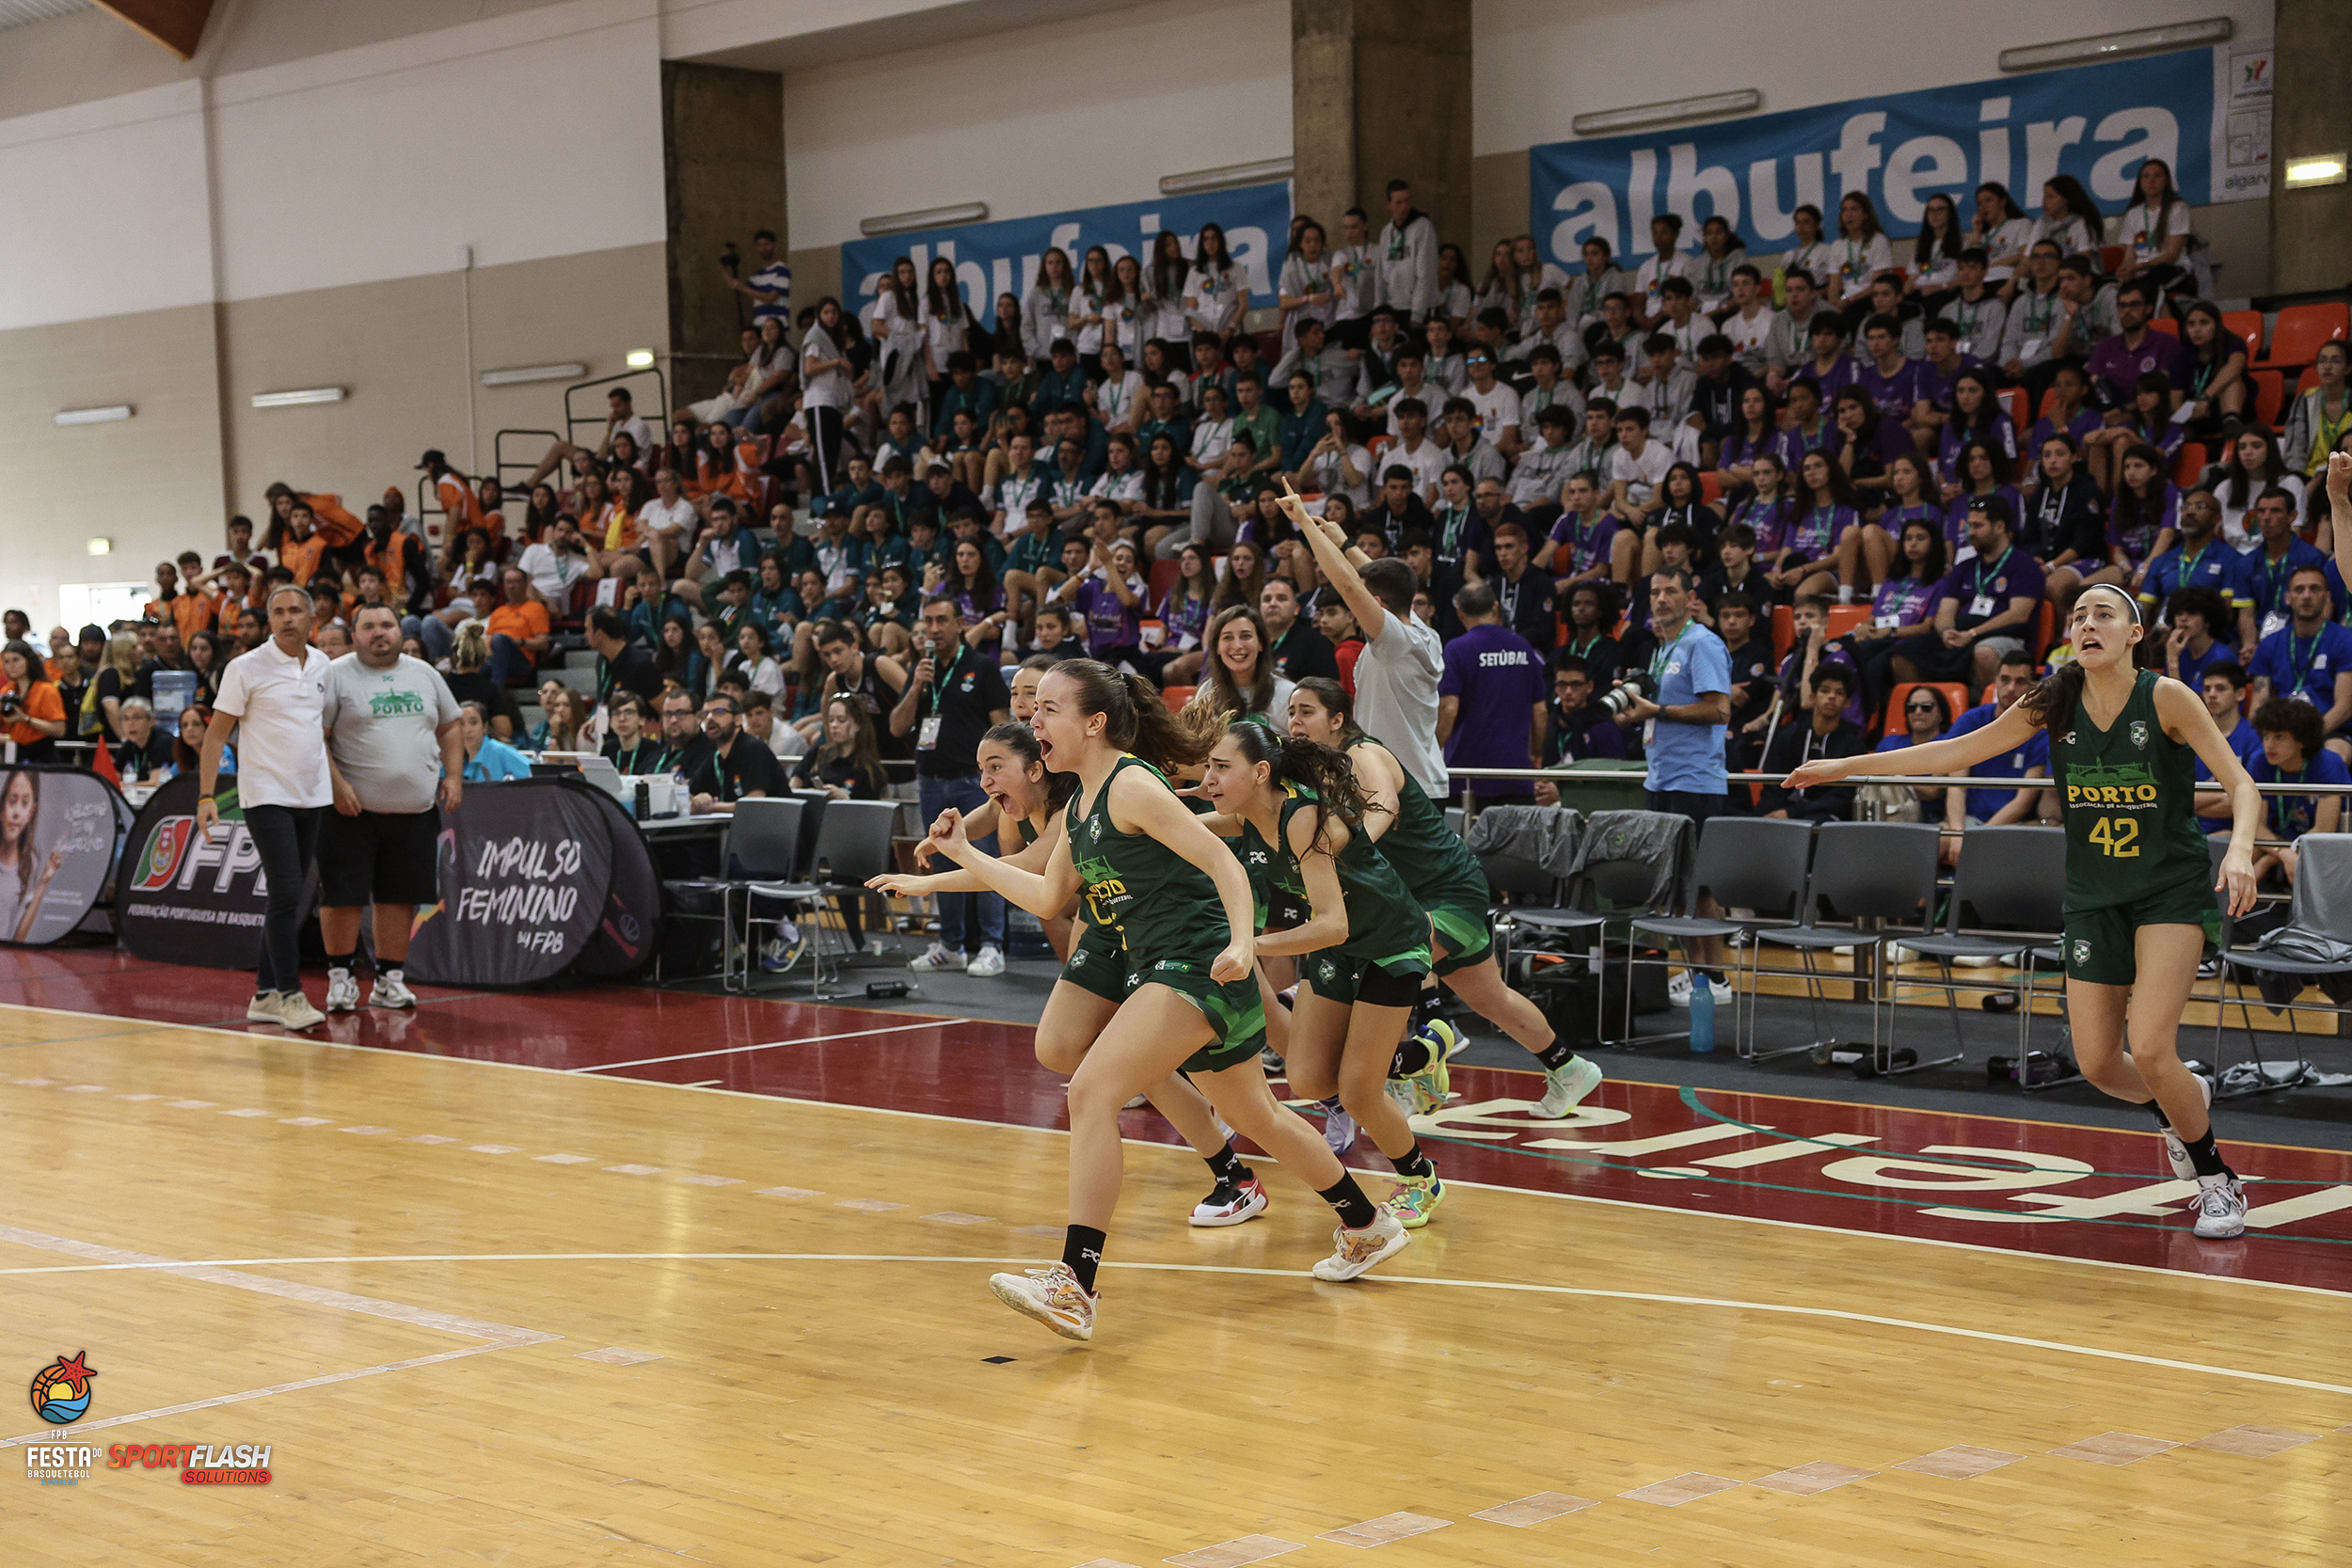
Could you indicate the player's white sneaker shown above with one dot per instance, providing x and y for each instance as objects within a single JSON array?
[
  {"x": 2184, "y": 1168},
  {"x": 1051, "y": 1295},
  {"x": 295, "y": 1012},
  {"x": 2220, "y": 1208},
  {"x": 1339, "y": 1128},
  {"x": 1566, "y": 1086},
  {"x": 343, "y": 992},
  {"x": 389, "y": 992},
  {"x": 1353, "y": 1252}
]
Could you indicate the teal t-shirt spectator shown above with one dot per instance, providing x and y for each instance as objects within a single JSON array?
[
  {"x": 495, "y": 762},
  {"x": 2290, "y": 816},
  {"x": 1688, "y": 757},
  {"x": 848, "y": 499},
  {"x": 1982, "y": 803},
  {"x": 978, "y": 400}
]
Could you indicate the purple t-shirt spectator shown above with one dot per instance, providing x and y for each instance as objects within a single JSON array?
[
  {"x": 1497, "y": 677},
  {"x": 1955, "y": 514},
  {"x": 2079, "y": 426},
  {"x": 1582, "y": 546},
  {"x": 2118, "y": 365},
  {"x": 1935, "y": 386},
  {"x": 1815, "y": 532},
  {"x": 1769, "y": 519},
  {"x": 2139, "y": 538},
  {"x": 1907, "y": 601},
  {"x": 1184, "y": 616},
  {"x": 1110, "y": 623},
  {"x": 2002, "y": 438},
  {"x": 1892, "y": 394},
  {"x": 1841, "y": 374},
  {"x": 1792, "y": 445},
  {"x": 1982, "y": 589}
]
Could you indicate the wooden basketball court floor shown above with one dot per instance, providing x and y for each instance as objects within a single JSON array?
[{"x": 628, "y": 1276}]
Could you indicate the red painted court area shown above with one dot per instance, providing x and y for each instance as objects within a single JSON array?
[{"x": 2028, "y": 1186}]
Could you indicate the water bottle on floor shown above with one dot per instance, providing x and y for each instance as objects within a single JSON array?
[{"x": 1702, "y": 1013}]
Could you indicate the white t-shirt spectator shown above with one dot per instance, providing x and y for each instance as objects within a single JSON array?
[
  {"x": 677, "y": 517},
  {"x": 2071, "y": 235},
  {"x": 1210, "y": 439},
  {"x": 552, "y": 571},
  {"x": 777, "y": 277},
  {"x": 1396, "y": 697},
  {"x": 1654, "y": 273},
  {"x": 2134, "y": 234},
  {"x": 1323, "y": 474},
  {"x": 1428, "y": 464},
  {"x": 1747, "y": 335},
  {"x": 280, "y": 704},
  {"x": 1859, "y": 260},
  {"x": 827, "y": 388},
  {"x": 1641, "y": 474},
  {"x": 1497, "y": 408},
  {"x": 2010, "y": 238}
]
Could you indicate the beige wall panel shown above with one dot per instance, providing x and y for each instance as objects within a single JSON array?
[{"x": 151, "y": 484}]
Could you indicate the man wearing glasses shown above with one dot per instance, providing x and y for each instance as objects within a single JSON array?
[{"x": 746, "y": 768}]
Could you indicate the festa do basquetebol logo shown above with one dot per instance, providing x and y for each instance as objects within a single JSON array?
[{"x": 61, "y": 1395}]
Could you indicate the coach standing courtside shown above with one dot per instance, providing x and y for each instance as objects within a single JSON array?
[
  {"x": 275, "y": 698},
  {"x": 393, "y": 747}
]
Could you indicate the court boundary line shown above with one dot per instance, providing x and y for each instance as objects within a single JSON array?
[
  {"x": 1148, "y": 1143},
  {"x": 115, "y": 1259},
  {"x": 734, "y": 1050},
  {"x": 1522, "y": 1286}
]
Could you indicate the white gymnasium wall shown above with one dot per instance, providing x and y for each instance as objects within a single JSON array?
[
  {"x": 105, "y": 208},
  {"x": 1039, "y": 119},
  {"x": 1538, "y": 63}
]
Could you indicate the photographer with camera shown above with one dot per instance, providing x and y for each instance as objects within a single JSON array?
[
  {"x": 1682, "y": 700},
  {"x": 768, "y": 288},
  {"x": 32, "y": 713}
]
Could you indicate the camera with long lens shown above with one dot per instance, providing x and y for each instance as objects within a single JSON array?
[
  {"x": 1621, "y": 696},
  {"x": 731, "y": 259}
]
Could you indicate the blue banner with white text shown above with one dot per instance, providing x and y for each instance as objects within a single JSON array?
[
  {"x": 2098, "y": 123},
  {"x": 1001, "y": 257}
]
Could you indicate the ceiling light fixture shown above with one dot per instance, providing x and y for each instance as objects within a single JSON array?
[
  {"x": 2116, "y": 46},
  {"x": 927, "y": 218},
  {"x": 1225, "y": 178},
  {"x": 91, "y": 416},
  {"x": 533, "y": 372},
  {"x": 1640, "y": 117},
  {"x": 308, "y": 394},
  {"x": 2320, "y": 169}
]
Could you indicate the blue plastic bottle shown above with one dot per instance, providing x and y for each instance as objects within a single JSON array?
[{"x": 1702, "y": 1014}]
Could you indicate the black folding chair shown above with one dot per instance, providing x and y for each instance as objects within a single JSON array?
[
  {"x": 2009, "y": 891},
  {"x": 852, "y": 845},
  {"x": 1882, "y": 871},
  {"x": 1747, "y": 863}
]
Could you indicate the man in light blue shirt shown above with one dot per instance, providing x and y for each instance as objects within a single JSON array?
[{"x": 1682, "y": 730}]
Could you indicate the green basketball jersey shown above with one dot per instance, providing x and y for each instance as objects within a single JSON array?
[
  {"x": 1156, "y": 902},
  {"x": 1430, "y": 857},
  {"x": 1383, "y": 921},
  {"x": 2127, "y": 797}
]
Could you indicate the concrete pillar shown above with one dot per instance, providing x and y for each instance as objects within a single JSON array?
[
  {"x": 1380, "y": 90},
  {"x": 722, "y": 169},
  {"x": 2311, "y": 113}
]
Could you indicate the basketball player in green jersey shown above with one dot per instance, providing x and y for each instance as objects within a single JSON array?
[
  {"x": 2139, "y": 908},
  {"x": 1168, "y": 903},
  {"x": 1445, "y": 878}
]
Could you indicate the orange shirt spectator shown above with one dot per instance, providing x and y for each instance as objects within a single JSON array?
[
  {"x": 36, "y": 713},
  {"x": 302, "y": 556},
  {"x": 521, "y": 622},
  {"x": 336, "y": 524}
]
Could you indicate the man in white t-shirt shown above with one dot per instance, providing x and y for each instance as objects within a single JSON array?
[
  {"x": 1637, "y": 468},
  {"x": 666, "y": 523},
  {"x": 1397, "y": 673},
  {"x": 1497, "y": 403},
  {"x": 1749, "y": 325},
  {"x": 559, "y": 563},
  {"x": 275, "y": 698},
  {"x": 1413, "y": 449}
]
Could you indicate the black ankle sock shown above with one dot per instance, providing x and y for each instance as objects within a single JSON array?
[
  {"x": 1412, "y": 1055},
  {"x": 1413, "y": 1162},
  {"x": 1559, "y": 1054},
  {"x": 2206, "y": 1158},
  {"x": 1347, "y": 1199},
  {"x": 2156, "y": 1108},
  {"x": 1227, "y": 1167},
  {"x": 1082, "y": 1249}
]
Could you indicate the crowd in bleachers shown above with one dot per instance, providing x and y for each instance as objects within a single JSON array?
[{"x": 1887, "y": 464}]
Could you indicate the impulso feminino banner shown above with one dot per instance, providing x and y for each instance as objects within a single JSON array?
[
  {"x": 189, "y": 899},
  {"x": 59, "y": 831},
  {"x": 2205, "y": 112},
  {"x": 525, "y": 870}
]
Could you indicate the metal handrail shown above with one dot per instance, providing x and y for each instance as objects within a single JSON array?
[{"x": 1618, "y": 776}]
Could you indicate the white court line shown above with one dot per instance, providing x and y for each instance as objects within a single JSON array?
[
  {"x": 1784, "y": 1309},
  {"x": 1851, "y": 1233},
  {"x": 501, "y": 1336},
  {"x": 772, "y": 1045}
]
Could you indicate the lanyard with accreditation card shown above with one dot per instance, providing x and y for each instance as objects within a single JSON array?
[
  {"x": 926, "y": 734},
  {"x": 1659, "y": 663}
]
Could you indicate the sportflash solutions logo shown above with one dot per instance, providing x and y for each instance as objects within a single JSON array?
[{"x": 61, "y": 1395}]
